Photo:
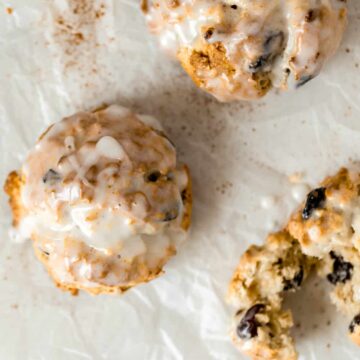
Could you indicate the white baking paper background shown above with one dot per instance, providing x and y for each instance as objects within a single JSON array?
[{"x": 240, "y": 156}]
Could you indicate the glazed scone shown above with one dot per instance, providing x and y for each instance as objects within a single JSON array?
[
  {"x": 103, "y": 199},
  {"x": 329, "y": 220},
  {"x": 264, "y": 274},
  {"x": 239, "y": 49}
]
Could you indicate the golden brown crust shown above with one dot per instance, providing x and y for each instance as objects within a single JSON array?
[
  {"x": 187, "y": 200},
  {"x": 211, "y": 58},
  {"x": 12, "y": 188},
  {"x": 355, "y": 336}
]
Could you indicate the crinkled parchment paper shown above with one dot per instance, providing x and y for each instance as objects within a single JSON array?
[{"x": 61, "y": 56}]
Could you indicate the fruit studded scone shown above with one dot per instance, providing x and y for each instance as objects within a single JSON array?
[
  {"x": 103, "y": 199},
  {"x": 265, "y": 273},
  {"x": 329, "y": 219},
  {"x": 239, "y": 49},
  {"x": 328, "y": 227}
]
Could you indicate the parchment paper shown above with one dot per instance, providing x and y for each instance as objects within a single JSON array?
[{"x": 57, "y": 58}]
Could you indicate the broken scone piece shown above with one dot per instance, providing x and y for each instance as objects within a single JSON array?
[
  {"x": 103, "y": 199},
  {"x": 325, "y": 232},
  {"x": 240, "y": 49},
  {"x": 261, "y": 327},
  {"x": 328, "y": 227}
]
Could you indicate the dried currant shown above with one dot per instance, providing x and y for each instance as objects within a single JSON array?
[
  {"x": 259, "y": 63},
  {"x": 171, "y": 214},
  {"x": 296, "y": 282},
  {"x": 153, "y": 176},
  {"x": 315, "y": 200},
  {"x": 248, "y": 326},
  {"x": 354, "y": 322},
  {"x": 208, "y": 34},
  {"x": 342, "y": 270},
  {"x": 271, "y": 47},
  {"x": 51, "y": 177}
]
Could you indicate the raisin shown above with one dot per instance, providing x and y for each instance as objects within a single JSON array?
[
  {"x": 271, "y": 47},
  {"x": 153, "y": 176},
  {"x": 315, "y": 200},
  {"x": 51, "y": 177},
  {"x": 208, "y": 34},
  {"x": 312, "y": 15},
  {"x": 234, "y": 7},
  {"x": 248, "y": 326},
  {"x": 354, "y": 322},
  {"x": 171, "y": 215},
  {"x": 259, "y": 63},
  {"x": 342, "y": 270},
  {"x": 296, "y": 282},
  {"x": 303, "y": 80}
]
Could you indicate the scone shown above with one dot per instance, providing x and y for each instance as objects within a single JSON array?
[
  {"x": 329, "y": 219},
  {"x": 261, "y": 327},
  {"x": 327, "y": 225},
  {"x": 239, "y": 49},
  {"x": 103, "y": 199}
]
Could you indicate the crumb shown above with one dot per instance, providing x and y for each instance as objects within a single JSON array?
[
  {"x": 298, "y": 325},
  {"x": 15, "y": 306},
  {"x": 328, "y": 345},
  {"x": 347, "y": 50},
  {"x": 296, "y": 177},
  {"x": 328, "y": 323},
  {"x": 9, "y": 10}
]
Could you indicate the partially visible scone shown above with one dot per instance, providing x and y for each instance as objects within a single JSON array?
[
  {"x": 239, "y": 49},
  {"x": 329, "y": 219},
  {"x": 327, "y": 226},
  {"x": 104, "y": 200},
  {"x": 264, "y": 274}
]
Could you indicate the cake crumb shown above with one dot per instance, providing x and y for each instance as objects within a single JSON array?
[{"x": 9, "y": 10}]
